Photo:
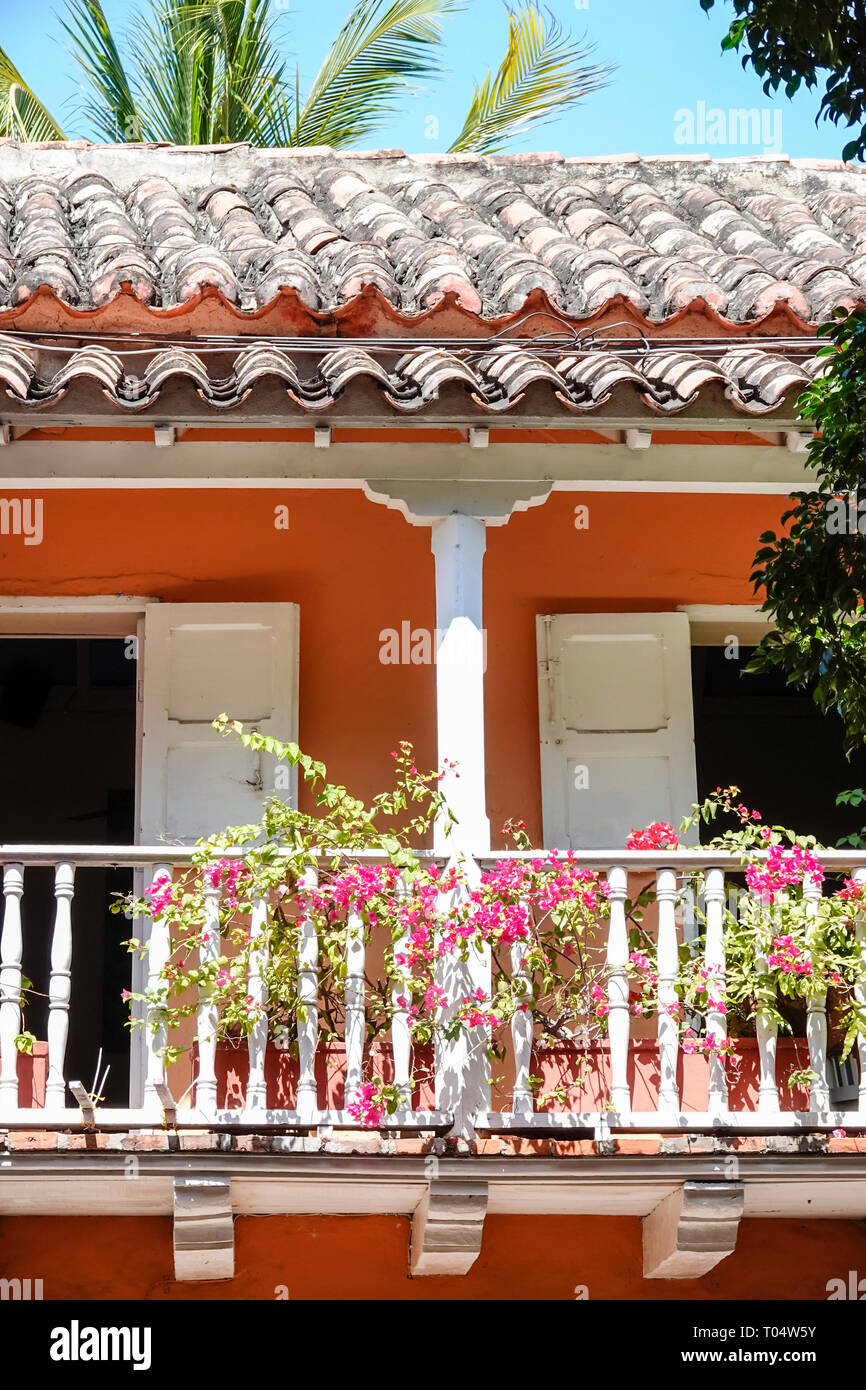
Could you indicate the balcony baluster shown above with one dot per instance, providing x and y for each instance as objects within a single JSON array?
[
  {"x": 11, "y": 950},
  {"x": 60, "y": 987}
]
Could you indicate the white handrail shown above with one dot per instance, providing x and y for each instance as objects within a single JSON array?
[{"x": 136, "y": 856}]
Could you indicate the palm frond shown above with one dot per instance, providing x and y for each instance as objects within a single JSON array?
[
  {"x": 109, "y": 105},
  {"x": 22, "y": 115},
  {"x": 543, "y": 73},
  {"x": 382, "y": 50},
  {"x": 204, "y": 69},
  {"x": 254, "y": 69}
]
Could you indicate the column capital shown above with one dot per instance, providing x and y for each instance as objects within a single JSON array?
[{"x": 425, "y": 502}]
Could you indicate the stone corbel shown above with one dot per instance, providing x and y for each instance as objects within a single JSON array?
[
  {"x": 204, "y": 1238},
  {"x": 447, "y": 1227},
  {"x": 692, "y": 1230}
]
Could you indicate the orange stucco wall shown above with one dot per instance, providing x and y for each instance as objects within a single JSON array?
[
  {"x": 356, "y": 568},
  {"x": 366, "y": 1257}
]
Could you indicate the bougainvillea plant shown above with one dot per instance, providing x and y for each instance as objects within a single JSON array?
[
  {"x": 540, "y": 919},
  {"x": 788, "y": 938}
]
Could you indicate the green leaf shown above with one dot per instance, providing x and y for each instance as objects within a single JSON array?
[
  {"x": 22, "y": 114},
  {"x": 384, "y": 49},
  {"x": 544, "y": 72},
  {"x": 109, "y": 106}
]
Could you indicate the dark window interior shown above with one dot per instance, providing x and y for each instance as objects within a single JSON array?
[
  {"x": 774, "y": 744},
  {"x": 67, "y": 776}
]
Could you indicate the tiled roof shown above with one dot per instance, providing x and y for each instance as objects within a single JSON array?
[
  {"x": 747, "y": 378},
  {"x": 736, "y": 237}
]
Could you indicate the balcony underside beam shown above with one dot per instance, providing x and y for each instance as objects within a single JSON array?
[
  {"x": 692, "y": 1230},
  {"x": 447, "y": 1227},
  {"x": 204, "y": 1240}
]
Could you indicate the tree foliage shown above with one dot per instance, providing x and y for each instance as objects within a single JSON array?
[
  {"x": 791, "y": 44},
  {"x": 814, "y": 572},
  {"x": 201, "y": 72}
]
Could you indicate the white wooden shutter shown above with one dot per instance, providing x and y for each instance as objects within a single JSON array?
[
  {"x": 200, "y": 660},
  {"x": 617, "y": 729}
]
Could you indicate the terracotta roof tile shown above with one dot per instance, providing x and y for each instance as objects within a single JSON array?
[
  {"x": 666, "y": 380},
  {"x": 663, "y": 234}
]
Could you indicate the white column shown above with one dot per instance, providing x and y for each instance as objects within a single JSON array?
[
  {"x": 463, "y": 1066},
  {"x": 523, "y": 1102},
  {"x": 767, "y": 1031},
  {"x": 356, "y": 1030},
  {"x": 156, "y": 1029},
  {"x": 257, "y": 1042},
  {"x": 619, "y": 1019},
  {"x": 401, "y": 1035},
  {"x": 208, "y": 1009},
  {"x": 668, "y": 963},
  {"x": 60, "y": 987},
  {"x": 11, "y": 950},
  {"x": 816, "y": 1009},
  {"x": 714, "y": 960},
  {"x": 308, "y": 1013},
  {"x": 859, "y": 877},
  {"x": 458, "y": 544}
]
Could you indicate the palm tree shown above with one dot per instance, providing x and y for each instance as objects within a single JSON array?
[{"x": 201, "y": 72}]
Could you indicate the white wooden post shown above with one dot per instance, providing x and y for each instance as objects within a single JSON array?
[
  {"x": 714, "y": 961},
  {"x": 156, "y": 1032},
  {"x": 257, "y": 1043},
  {"x": 618, "y": 1019},
  {"x": 668, "y": 966},
  {"x": 463, "y": 1085},
  {"x": 523, "y": 1101},
  {"x": 816, "y": 1009},
  {"x": 355, "y": 1018},
  {"x": 207, "y": 1018},
  {"x": 458, "y": 544},
  {"x": 401, "y": 1036},
  {"x": 60, "y": 987},
  {"x": 859, "y": 877},
  {"x": 308, "y": 1024},
  {"x": 11, "y": 948},
  {"x": 767, "y": 1031}
]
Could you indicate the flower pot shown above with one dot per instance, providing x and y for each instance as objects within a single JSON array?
[
  {"x": 282, "y": 1069},
  {"x": 586, "y": 1072},
  {"x": 33, "y": 1077}
]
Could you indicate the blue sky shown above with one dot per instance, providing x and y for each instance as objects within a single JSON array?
[{"x": 673, "y": 91}]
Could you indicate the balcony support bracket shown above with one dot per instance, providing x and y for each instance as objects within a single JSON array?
[
  {"x": 692, "y": 1230},
  {"x": 447, "y": 1227},
  {"x": 204, "y": 1239}
]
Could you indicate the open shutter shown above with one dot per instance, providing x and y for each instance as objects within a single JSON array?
[
  {"x": 617, "y": 729},
  {"x": 200, "y": 660}
]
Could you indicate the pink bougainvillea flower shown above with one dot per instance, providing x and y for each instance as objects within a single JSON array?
[
  {"x": 783, "y": 869},
  {"x": 657, "y": 835},
  {"x": 367, "y": 1105}
]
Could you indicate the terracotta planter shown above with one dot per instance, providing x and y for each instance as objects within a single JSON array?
[
  {"x": 32, "y": 1077},
  {"x": 587, "y": 1071},
  {"x": 281, "y": 1075}
]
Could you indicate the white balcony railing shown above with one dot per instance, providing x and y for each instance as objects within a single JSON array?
[{"x": 66, "y": 1101}]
